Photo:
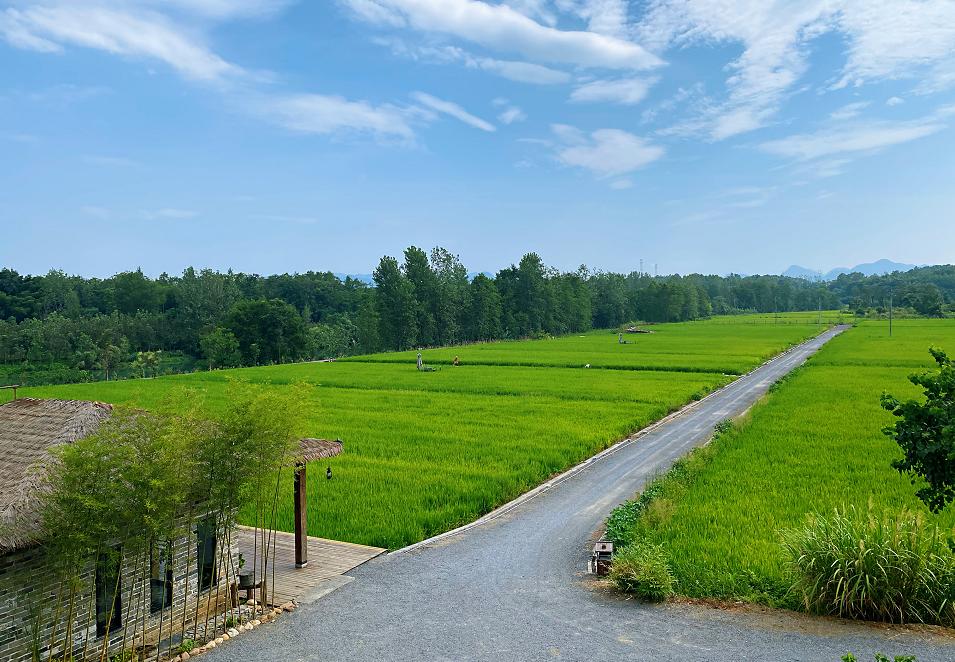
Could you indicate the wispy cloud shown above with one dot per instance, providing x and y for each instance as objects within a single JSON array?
[
  {"x": 849, "y": 110},
  {"x": 624, "y": 91},
  {"x": 520, "y": 72},
  {"x": 885, "y": 39},
  {"x": 110, "y": 161},
  {"x": 511, "y": 114},
  {"x": 453, "y": 110},
  {"x": 130, "y": 32},
  {"x": 604, "y": 152},
  {"x": 894, "y": 101},
  {"x": 504, "y": 29},
  {"x": 853, "y": 139},
  {"x": 327, "y": 114}
]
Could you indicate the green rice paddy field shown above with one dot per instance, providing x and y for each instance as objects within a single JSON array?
[
  {"x": 426, "y": 452},
  {"x": 813, "y": 445}
]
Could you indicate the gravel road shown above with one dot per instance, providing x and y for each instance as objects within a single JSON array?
[{"x": 515, "y": 587}]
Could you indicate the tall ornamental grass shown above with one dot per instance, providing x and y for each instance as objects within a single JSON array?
[{"x": 895, "y": 568}]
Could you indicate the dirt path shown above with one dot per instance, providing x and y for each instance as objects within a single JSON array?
[{"x": 515, "y": 587}]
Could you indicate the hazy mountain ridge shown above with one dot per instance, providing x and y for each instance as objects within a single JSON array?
[{"x": 877, "y": 268}]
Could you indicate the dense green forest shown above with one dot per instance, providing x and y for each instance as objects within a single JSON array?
[{"x": 61, "y": 328}]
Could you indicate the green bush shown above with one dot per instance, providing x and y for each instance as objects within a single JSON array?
[
  {"x": 896, "y": 568},
  {"x": 643, "y": 569},
  {"x": 187, "y": 645}
]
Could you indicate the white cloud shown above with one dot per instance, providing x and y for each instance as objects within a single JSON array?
[
  {"x": 603, "y": 16},
  {"x": 885, "y": 39},
  {"x": 511, "y": 115},
  {"x": 502, "y": 28},
  {"x": 849, "y": 111},
  {"x": 453, "y": 110},
  {"x": 521, "y": 72},
  {"x": 325, "y": 114},
  {"x": 894, "y": 101},
  {"x": 625, "y": 91},
  {"x": 895, "y": 38},
  {"x": 110, "y": 161},
  {"x": 605, "y": 152},
  {"x": 132, "y": 33},
  {"x": 621, "y": 184},
  {"x": 535, "y": 9},
  {"x": 848, "y": 140}
]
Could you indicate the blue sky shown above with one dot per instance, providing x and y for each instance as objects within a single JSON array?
[{"x": 271, "y": 136}]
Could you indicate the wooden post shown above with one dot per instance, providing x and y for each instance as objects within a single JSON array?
[{"x": 301, "y": 517}]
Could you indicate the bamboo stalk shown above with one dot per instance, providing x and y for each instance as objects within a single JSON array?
[
  {"x": 56, "y": 621},
  {"x": 112, "y": 608}
]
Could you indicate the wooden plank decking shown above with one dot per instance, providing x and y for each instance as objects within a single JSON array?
[{"x": 327, "y": 560}]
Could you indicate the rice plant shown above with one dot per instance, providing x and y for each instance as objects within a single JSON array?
[{"x": 424, "y": 453}]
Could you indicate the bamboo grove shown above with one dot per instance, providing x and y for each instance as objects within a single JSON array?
[{"x": 123, "y": 495}]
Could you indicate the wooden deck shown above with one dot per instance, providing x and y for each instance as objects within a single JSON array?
[{"x": 328, "y": 560}]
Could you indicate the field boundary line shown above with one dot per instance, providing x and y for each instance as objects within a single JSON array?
[{"x": 616, "y": 446}]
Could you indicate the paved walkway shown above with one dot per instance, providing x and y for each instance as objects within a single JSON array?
[{"x": 515, "y": 586}]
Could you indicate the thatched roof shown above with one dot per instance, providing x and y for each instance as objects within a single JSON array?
[
  {"x": 317, "y": 449},
  {"x": 28, "y": 429}
]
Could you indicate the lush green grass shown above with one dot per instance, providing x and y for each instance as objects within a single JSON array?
[
  {"x": 428, "y": 451},
  {"x": 813, "y": 446},
  {"x": 727, "y": 345}
]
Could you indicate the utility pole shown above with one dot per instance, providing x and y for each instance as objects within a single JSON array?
[
  {"x": 656, "y": 272},
  {"x": 820, "y": 307},
  {"x": 890, "y": 313},
  {"x": 641, "y": 266}
]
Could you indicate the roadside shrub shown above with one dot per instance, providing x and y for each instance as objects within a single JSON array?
[
  {"x": 624, "y": 518},
  {"x": 880, "y": 657},
  {"x": 643, "y": 569},
  {"x": 896, "y": 568}
]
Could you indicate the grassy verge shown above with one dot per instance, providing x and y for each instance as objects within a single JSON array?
[{"x": 813, "y": 445}]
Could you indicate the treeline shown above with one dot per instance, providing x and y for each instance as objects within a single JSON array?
[{"x": 68, "y": 328}]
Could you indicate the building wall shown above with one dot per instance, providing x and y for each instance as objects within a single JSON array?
[{"x": 27, "y": 589}]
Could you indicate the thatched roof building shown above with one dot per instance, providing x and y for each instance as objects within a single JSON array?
[
  {"x": 317, "y": 449},
  {"x": 28, "y": 429}
]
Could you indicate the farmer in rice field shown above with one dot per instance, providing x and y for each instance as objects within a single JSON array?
[
  {"x": 420, "y": 362},
  {"x": 456, "y": 361}
]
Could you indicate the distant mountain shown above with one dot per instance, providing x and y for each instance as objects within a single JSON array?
[
  {"x": 877, "y": 268},
  {"x": 795, "y": 271},
  {"x": 365, "y": 278}
]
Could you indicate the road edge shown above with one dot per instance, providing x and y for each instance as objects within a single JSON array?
[{"x": 610, "y": 450}]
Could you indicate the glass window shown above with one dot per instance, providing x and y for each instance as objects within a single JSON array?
[
  {"x": 206, "y": 551},
  {"x": 160, "y": 577}
]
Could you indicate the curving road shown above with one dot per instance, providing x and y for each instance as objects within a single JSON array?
[{"x": 514, "y": 585}]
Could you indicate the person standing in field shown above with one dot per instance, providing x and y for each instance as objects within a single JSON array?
[
  {"x": 456, "y": 361},
  {"x": 420, "y": 362}
]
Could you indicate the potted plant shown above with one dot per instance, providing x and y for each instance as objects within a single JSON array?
[{"x": 246, "y": 577}]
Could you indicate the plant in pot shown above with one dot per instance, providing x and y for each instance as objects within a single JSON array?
[{"x": 246, "y": 577}]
